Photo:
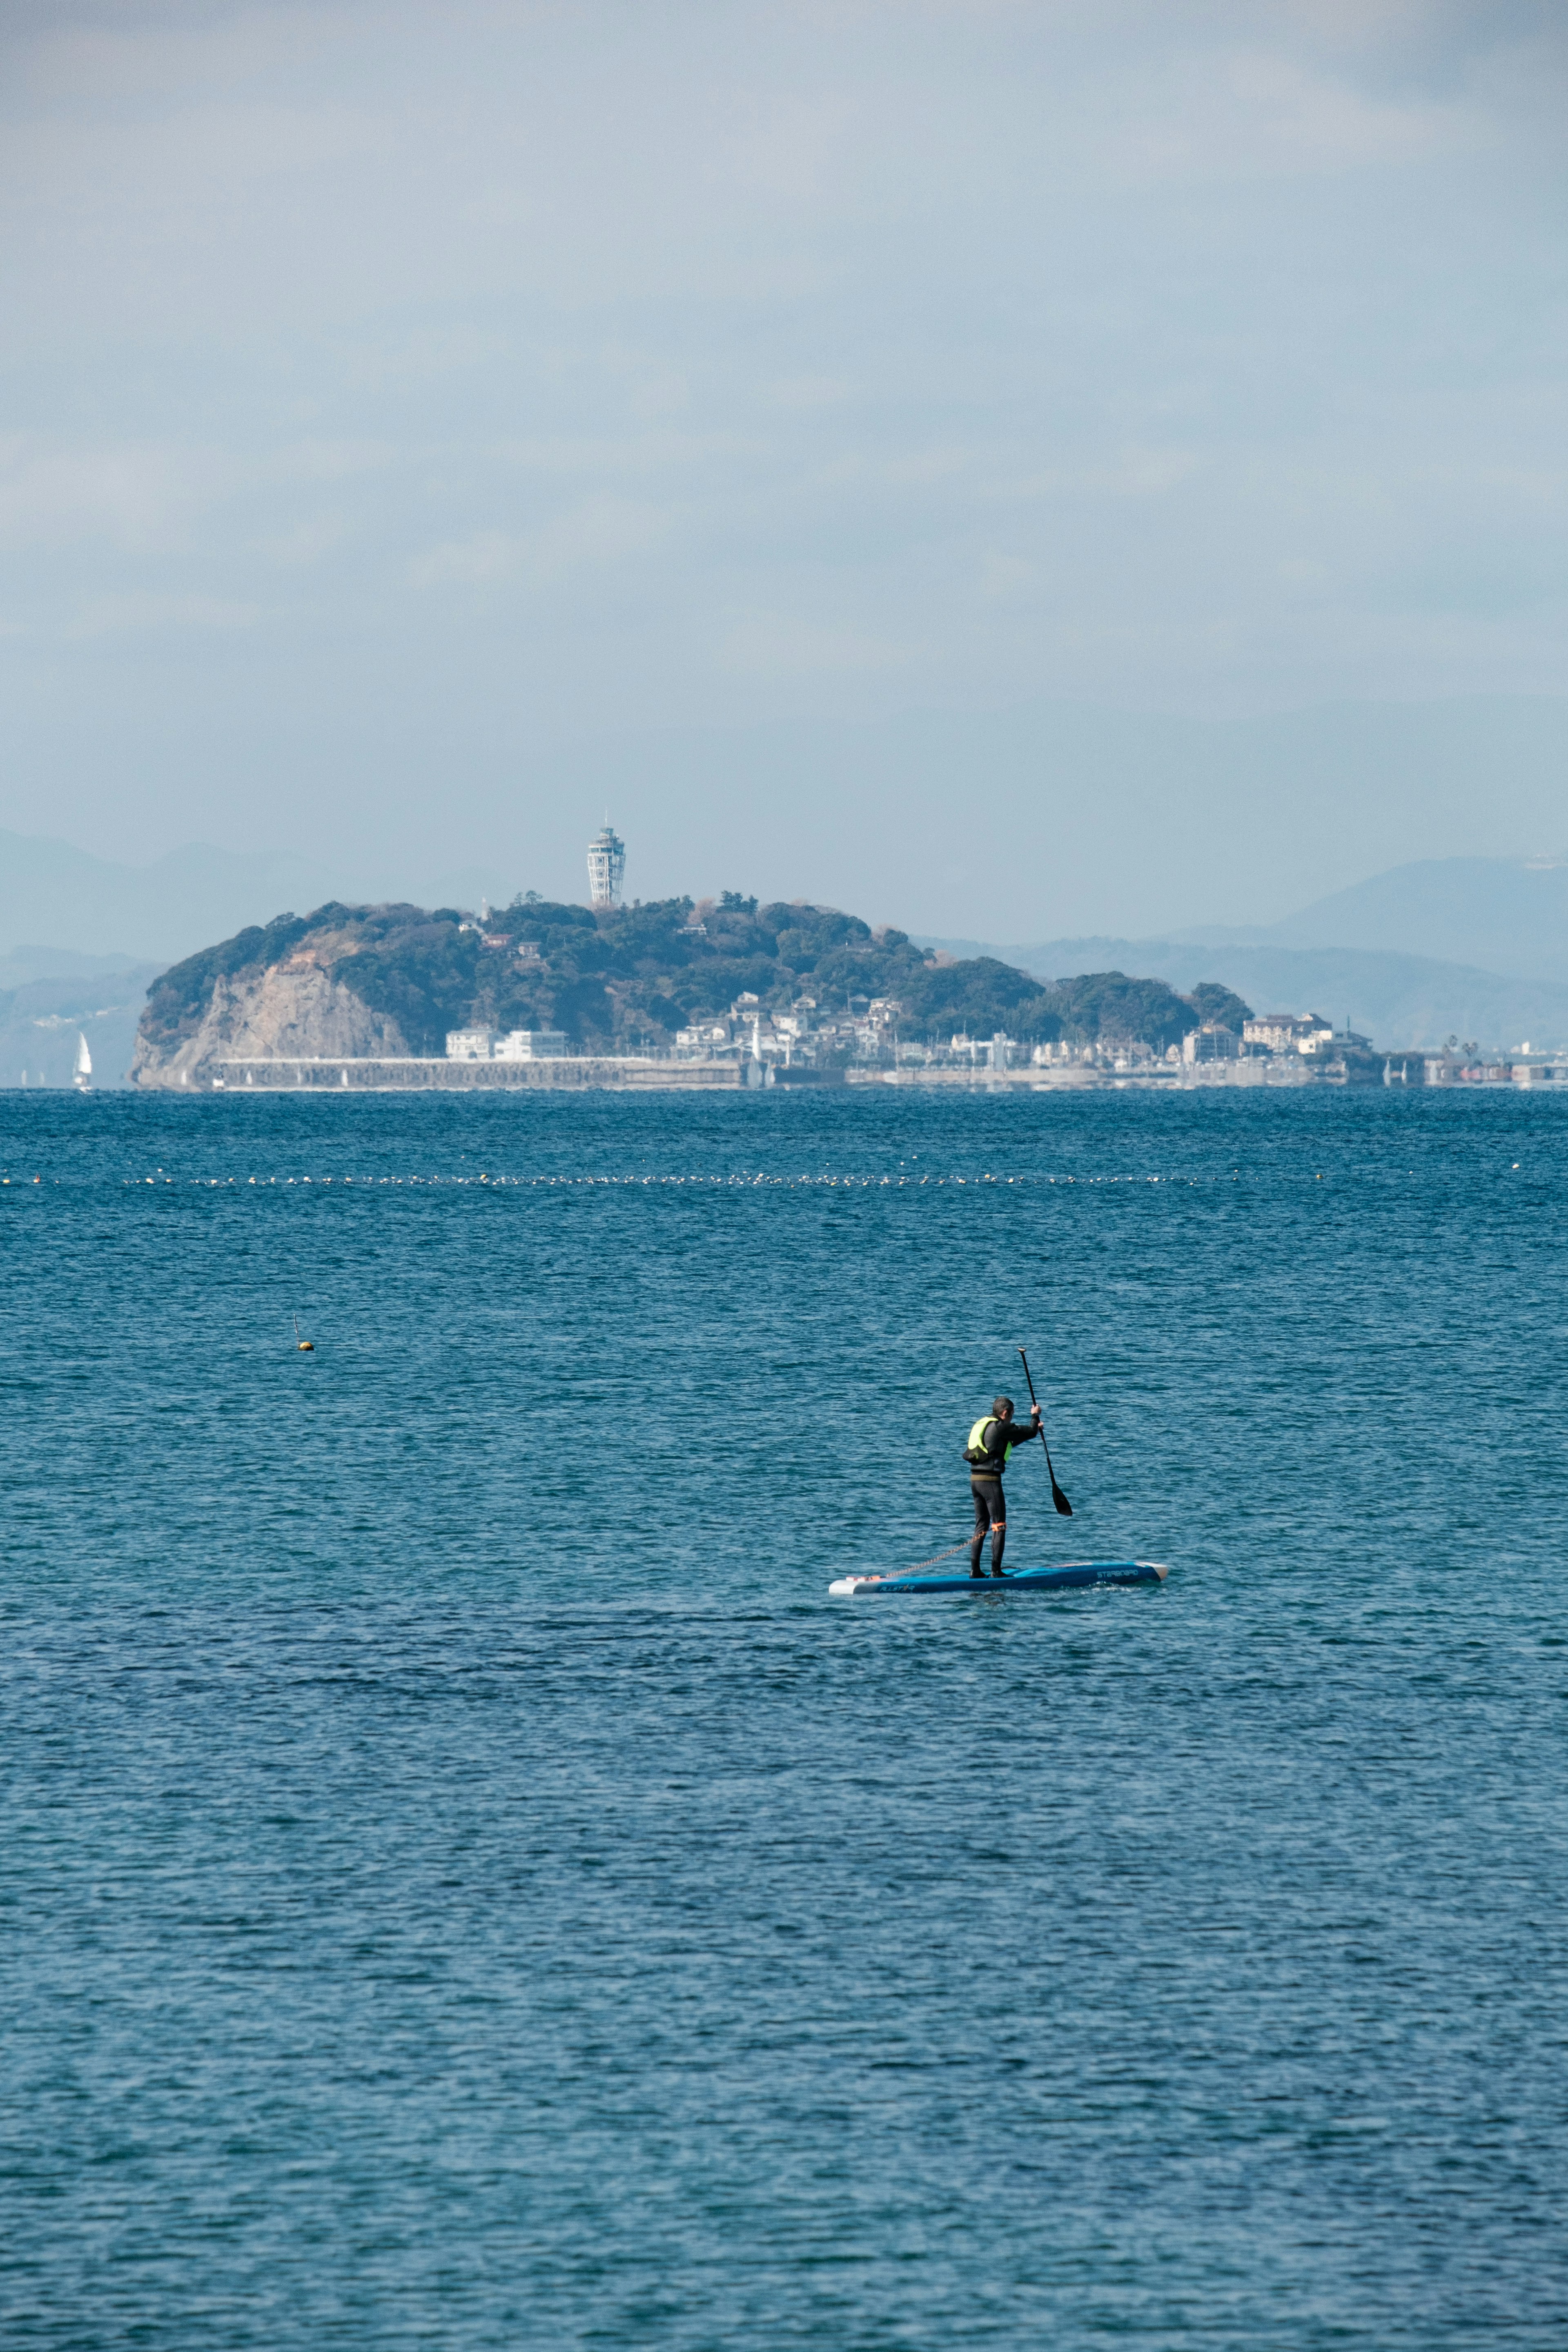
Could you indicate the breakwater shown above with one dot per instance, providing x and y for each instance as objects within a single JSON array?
[{"x": 404, "y": 1073}]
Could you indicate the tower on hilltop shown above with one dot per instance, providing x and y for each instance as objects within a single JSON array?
[{"x": 606, "y": 868}]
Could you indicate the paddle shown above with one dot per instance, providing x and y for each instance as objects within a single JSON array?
[{"x": 1057, "y": 1498}]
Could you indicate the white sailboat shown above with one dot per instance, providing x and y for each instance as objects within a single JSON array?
[{"x": 83, "y": 1060}]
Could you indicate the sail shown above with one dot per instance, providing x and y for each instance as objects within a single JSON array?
[{"x": 83, "y": 1058}]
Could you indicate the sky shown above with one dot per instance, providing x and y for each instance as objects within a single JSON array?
[{"x": 798, "y": 430}]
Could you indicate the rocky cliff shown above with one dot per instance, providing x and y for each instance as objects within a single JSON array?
[
  {"x": 289, "y": 1010},
  {"x": 282, "y": 991}
]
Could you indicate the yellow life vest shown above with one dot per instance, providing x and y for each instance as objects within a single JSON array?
[{"x": 975, "y": 1452}]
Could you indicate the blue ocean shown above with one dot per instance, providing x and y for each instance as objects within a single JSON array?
[{"x": 466, "y": 1885}]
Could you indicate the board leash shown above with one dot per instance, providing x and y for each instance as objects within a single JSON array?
[{"x": 962, "y": 1545}]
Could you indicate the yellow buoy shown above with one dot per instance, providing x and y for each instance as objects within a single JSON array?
[{"x": 307, "y": 1347}]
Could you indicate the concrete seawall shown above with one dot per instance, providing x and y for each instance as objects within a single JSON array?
[{"x": 406, "y": 1073}]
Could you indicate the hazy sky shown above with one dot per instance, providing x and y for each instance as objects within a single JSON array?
[{"x": 419, "y": 422}]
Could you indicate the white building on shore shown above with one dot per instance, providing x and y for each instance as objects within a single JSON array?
[
  {"x": 530, "y": 1045},
  {"x": 1286, "y": 1033},
  {"x": 470, "y": 1045},
  {"x": 515, "y": 1045}
]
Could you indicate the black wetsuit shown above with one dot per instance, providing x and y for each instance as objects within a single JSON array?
[{"x": 985, "y": 1485}]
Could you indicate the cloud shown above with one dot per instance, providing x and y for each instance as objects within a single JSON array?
[
  {"x": 149, "y": 499},
  {"x": 602, "y": 532},
  {"x": 305, "y": 543},
  {"x": 630, "y": 452},
  {"x": 731, "y": 365},
  {"x": 1254, "y": 115},
  {"x": 1129, "y": 474},
  {"x": 140, "y": 499},
  {"x": 783, "y": 645},
  {"x": 485, "y": 556},
  {"x": 144, "y": 611},
  {"x": 812, "y": 394}
]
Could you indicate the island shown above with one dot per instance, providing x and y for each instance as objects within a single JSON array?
[{"x": 677, "y": 992}]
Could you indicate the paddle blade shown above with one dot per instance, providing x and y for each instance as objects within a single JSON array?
[{"x": 1063, "y": 1509}]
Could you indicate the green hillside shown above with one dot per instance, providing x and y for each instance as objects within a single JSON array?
[{"x": 631, "y": 977}]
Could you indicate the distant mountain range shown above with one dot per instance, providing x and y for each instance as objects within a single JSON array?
[
  {"x": 1465, "y": 947},
  {"x": 41, "y": 1020},
  {"x": 85, "y": 906},
  {"x": 1396, "y": 1000},
  {"x": 1497, "y": 914}
]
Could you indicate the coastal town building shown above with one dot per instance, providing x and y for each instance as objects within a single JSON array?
[
  {"x": 1286, "y": 1033},
  {"x": 1211, "y": 1043},
  {"x": 515, "y": 1045},
  {"x": 813, "y": 1042},
  {"x": 470, "y": 1045},
  {"x": 530, "y": 1045}
]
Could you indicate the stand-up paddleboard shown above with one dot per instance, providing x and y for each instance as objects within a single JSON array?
[{"x": 1021, "y": 1580}]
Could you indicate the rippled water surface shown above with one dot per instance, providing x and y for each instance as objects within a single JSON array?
[{"x": 466, "y": 1885}]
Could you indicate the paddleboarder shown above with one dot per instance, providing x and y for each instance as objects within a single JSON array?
[{"x": 991, "y": 1441}]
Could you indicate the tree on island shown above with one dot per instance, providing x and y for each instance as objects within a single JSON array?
[{"x": 1221, "y": 1005}]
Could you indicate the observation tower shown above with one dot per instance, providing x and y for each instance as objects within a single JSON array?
[{"x": 606, "y": 868}]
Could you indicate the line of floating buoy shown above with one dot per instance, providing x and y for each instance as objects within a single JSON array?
[
  {"x": 793, "y": 1183},
  {"x": 790, "y": 1183},
  {"x": 785, "y": 1183}
]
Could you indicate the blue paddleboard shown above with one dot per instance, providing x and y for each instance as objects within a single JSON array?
[{"x": 1019, "y": 1580}]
